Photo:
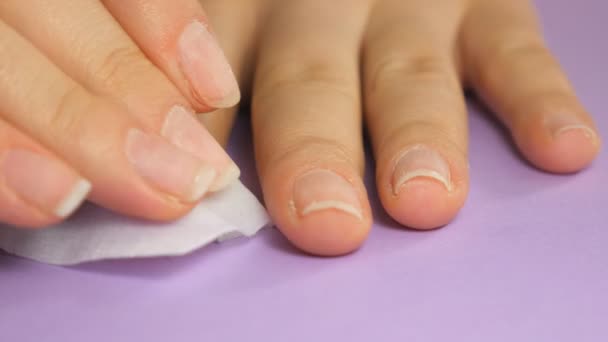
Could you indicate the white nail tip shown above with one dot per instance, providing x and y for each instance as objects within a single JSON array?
[
  {"x": 74, "y": 199},
  {"x": 423, "y": 173},
  {"x": 337, "y": 205},
  {"x": 226, "y": 178},
  {"x": 202, "y": 182}
]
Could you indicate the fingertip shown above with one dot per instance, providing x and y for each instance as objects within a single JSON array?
[
  {"x": 143, "y": 202},
  {"x": 27, "y": 218},
  {"x": 425, "y": 189},
  {"x": 17, "y": 213},
  {"x": 566, "y": 149},
  {"x": 423, "y": 204},
  {"x": 327, "y": 233},
  {"x": 320, "y": 211}
]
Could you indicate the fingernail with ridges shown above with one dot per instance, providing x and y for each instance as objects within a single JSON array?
[
  {"x": 420, "y": 162},
  {"x": 206, "y": 67},
  {"x": 321, "y": 189}
]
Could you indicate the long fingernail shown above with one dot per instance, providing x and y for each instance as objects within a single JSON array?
[
  {"x": 43, "y": 182},
  {"x": 561, "y": 124},
  {"x": 168, "y": 167},
  {"x": 321, "y": 189},
  {"x": 420, "y": 161},
  {"x": 183, "y": 130},
  {"x": 206, "y": 67}
]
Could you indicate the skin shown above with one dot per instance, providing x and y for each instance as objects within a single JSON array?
[
  {"x": 399, "y": 68},
  {"x": 74, "y": 87},
  {"x": 315, "y": 77}
]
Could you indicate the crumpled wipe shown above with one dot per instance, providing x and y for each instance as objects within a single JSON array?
[{"x": 94, "y": 233}]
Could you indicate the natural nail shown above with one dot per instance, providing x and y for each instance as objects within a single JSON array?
[
  {"x": 227, "y": 176},
  {"x": 206, "y": 67},
  {"x": 321, "y": 189},
  {"x": 168, "y": 167},
  {"x": 183, "y": 130},
  {"x": 562, "y": 123},
  {"x": 44, "y": 182},
  {"x": 420, "y": 161}
]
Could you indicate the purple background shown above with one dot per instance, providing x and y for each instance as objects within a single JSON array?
[{"x": 525, "y": 261}]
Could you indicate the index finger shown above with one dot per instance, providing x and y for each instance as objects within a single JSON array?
[{"x": 176, "y": 37}]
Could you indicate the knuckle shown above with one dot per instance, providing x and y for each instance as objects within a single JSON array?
[
  {"x": 396, "y": 69},
  {"x": 313, "y": 150},
  {"x": 115, "y": 67},
  {"x": 419, "y": 130},
  {"x": 510, "y": 53},
  {"x": 316, "y": 76},
  {"x": 514, "y": 48},
  {"x": 63, "y": 114}
]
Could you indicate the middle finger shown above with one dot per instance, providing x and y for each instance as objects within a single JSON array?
[
  {"x": 306, "y": 124},
  {"x": 415, "y": 110}
]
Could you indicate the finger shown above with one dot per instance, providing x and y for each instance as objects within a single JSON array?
[
  {"x": 236, "y": 25},
  {"x": 132, "y": 168},
  {"x": 415, "y": 111},
  {"x": 96, "y": 52},
  {"x": 176, "y": 36},
  {"x": 513, "y": 71},
  {"x": 36, "y": 188},
  {"x": 306, "y": 122}
]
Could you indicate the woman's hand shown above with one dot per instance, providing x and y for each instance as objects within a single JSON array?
[
  {"x": 400, "y": 66},
  {"x": 102, "y": 94}
]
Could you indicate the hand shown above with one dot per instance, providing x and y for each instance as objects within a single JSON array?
[
  {"x": 403, "y": 64},
  {"x": 101, "y": 94}
]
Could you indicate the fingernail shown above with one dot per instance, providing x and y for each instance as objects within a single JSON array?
[
  {"x": 320, "y": 190},
  {"x": 43, "y": 182},
  {"x": 183, "y": 130},
  {"x": 562, "y": 123},
  {"x": 226, "y": 178},
  {"x": 206, "y": 67},
  {"x": 420, "y": 161},
  {"x": 168, "y": 167}
]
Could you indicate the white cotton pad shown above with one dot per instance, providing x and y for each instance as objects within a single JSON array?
[{"x": 94, "y": 233}]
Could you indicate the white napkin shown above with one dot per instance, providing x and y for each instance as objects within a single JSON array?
[{"x": 94, "y": 233}]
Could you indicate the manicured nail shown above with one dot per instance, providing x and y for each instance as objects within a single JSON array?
[
  {"x": 44, "y": 182},
  {"x": 168, "y": 167},
  {"x": 206, "y": 67},
  {"x": 420, "y": 161},
  {"x": 183, "y": 130},
  {"x": 563, "y": 123},
  {"x": 320, "y": 190}
]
